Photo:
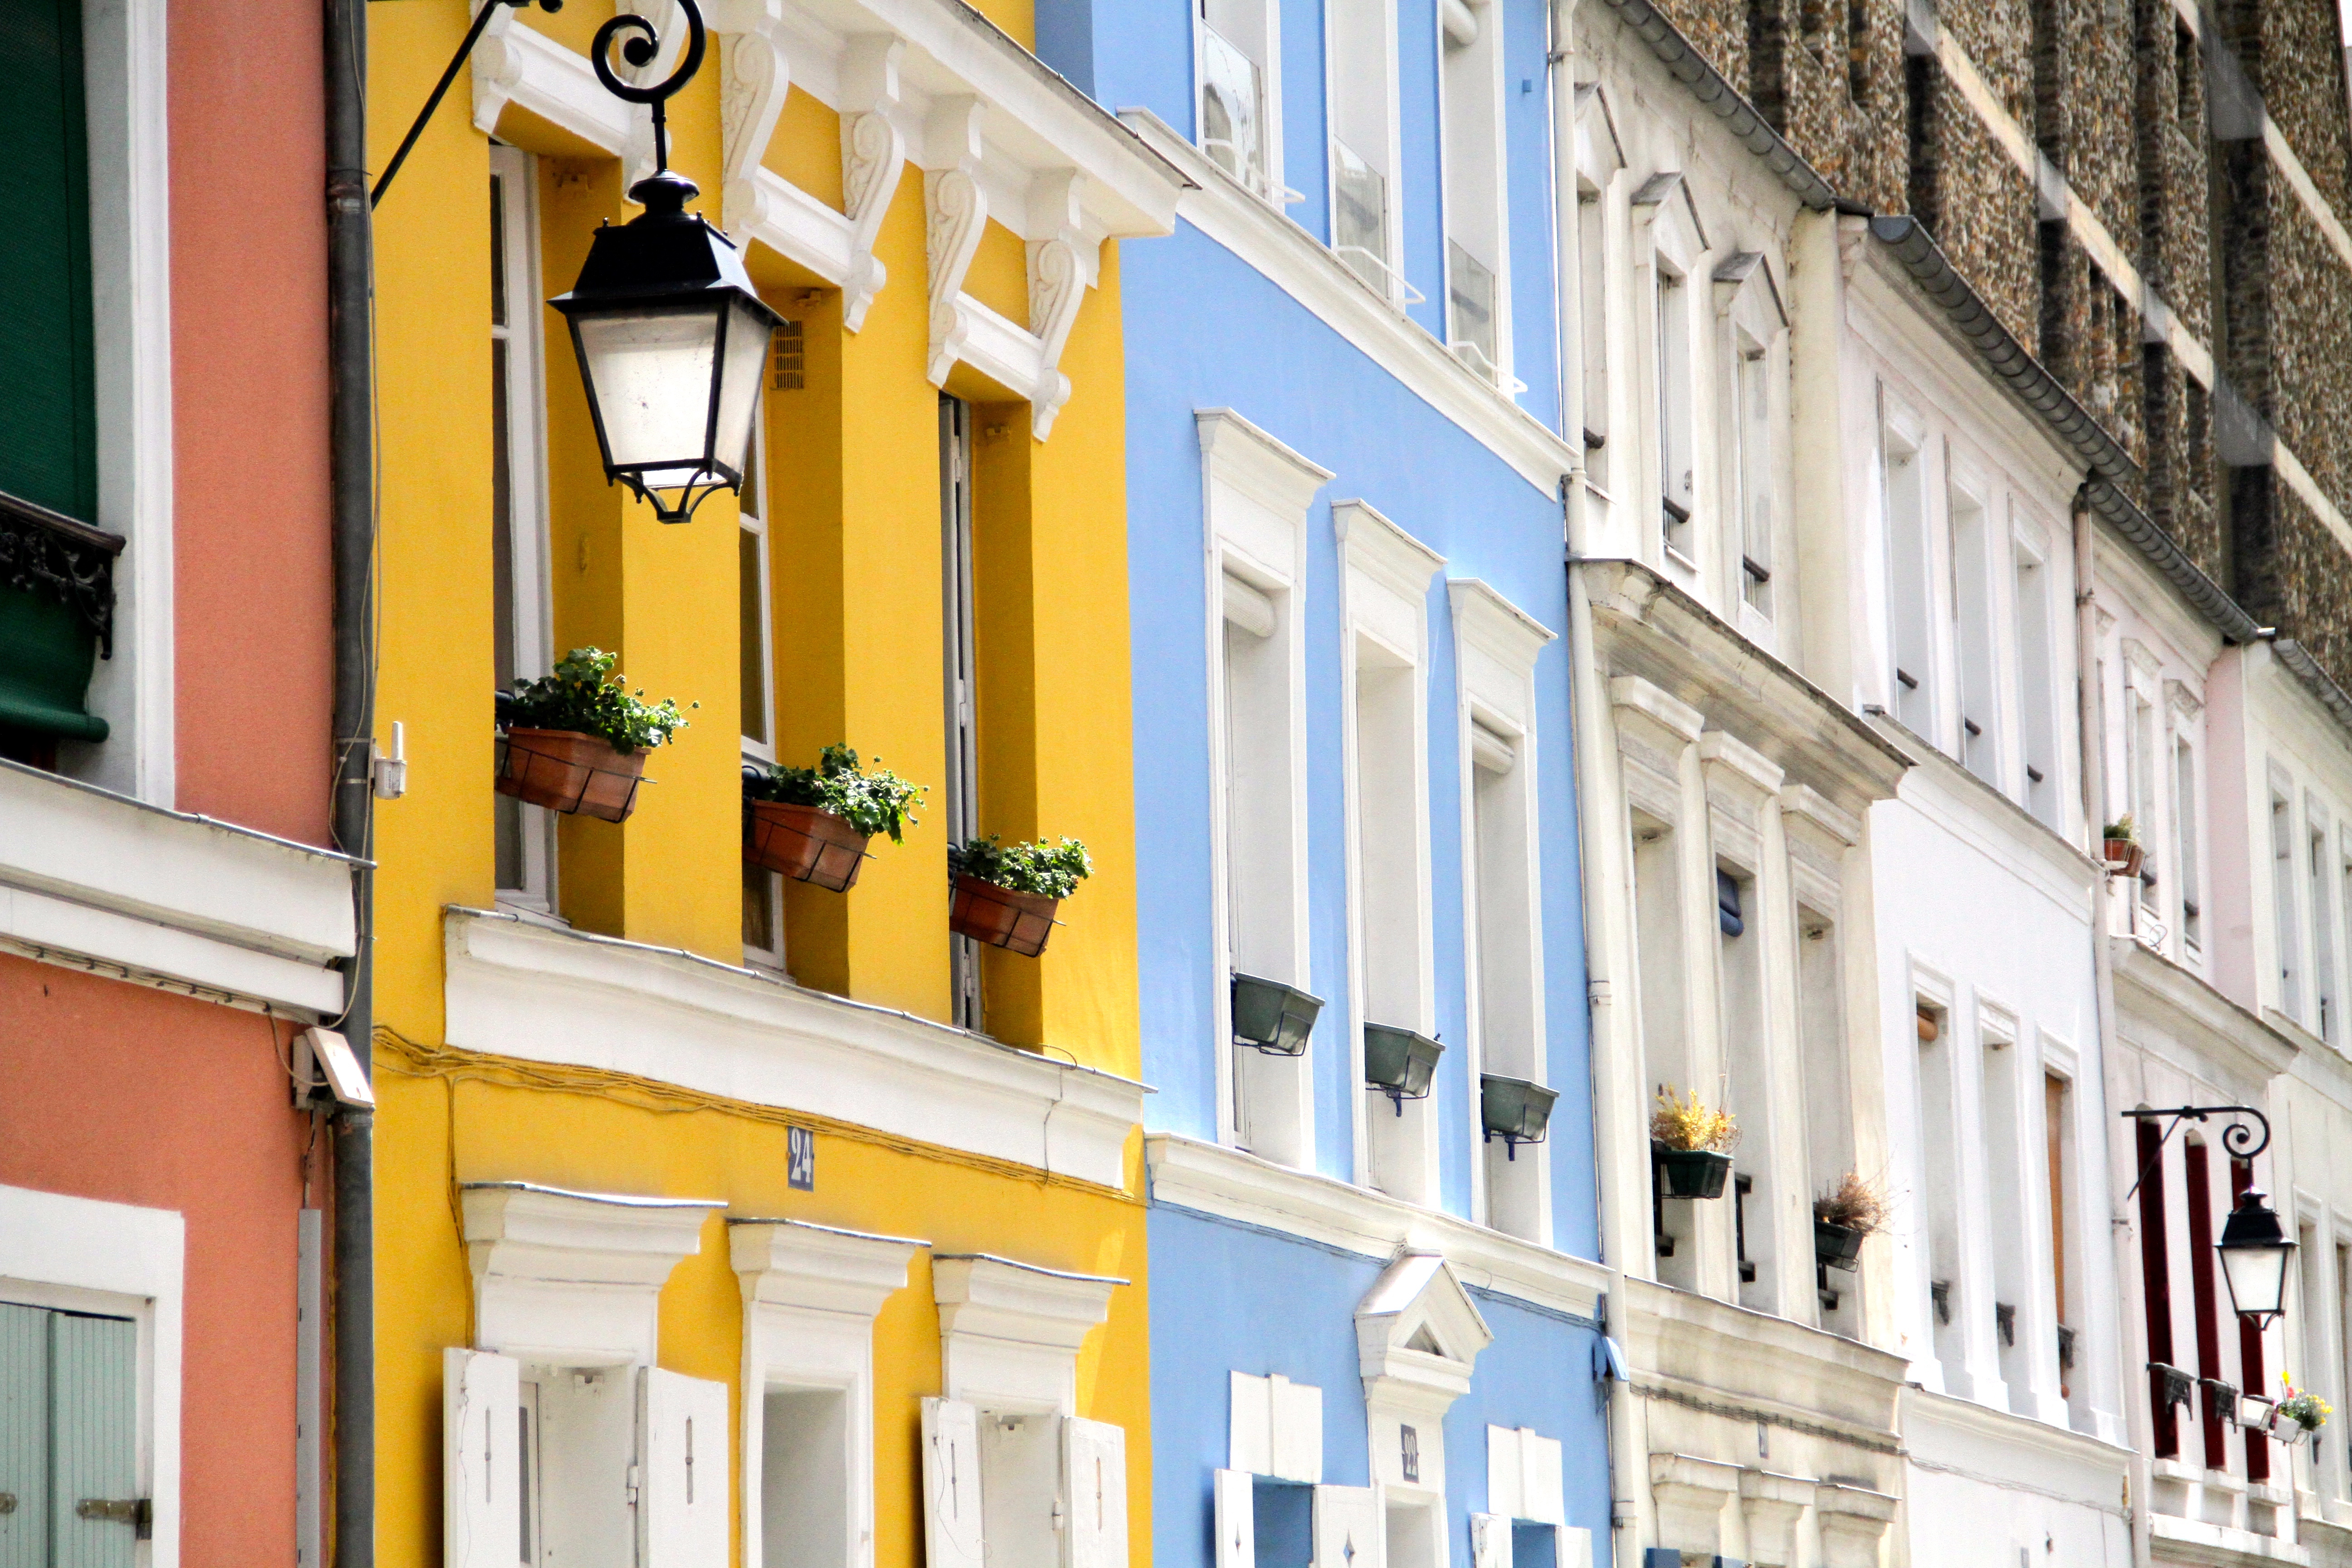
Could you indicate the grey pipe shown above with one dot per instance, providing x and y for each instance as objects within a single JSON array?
[{"x": 352, "y": 461}]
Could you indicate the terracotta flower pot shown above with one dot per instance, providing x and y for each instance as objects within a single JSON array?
[
  {"x": 1018, "y": 923},
  {"x": 805, "y": 843},
  {"x": 564, "y": 770},
  {"x": 2123, "y": 856}
]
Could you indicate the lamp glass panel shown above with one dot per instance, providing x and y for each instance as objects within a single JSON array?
[
  {"x": 650, "y": 374},
  {"x": 738, "y": 382},
  {"x": 2256, "y": 1276}
]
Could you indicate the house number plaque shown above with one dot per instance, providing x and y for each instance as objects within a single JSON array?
[
  {"x": 1410, "y": 1456},
  {"x": 800, "y": 1159}
]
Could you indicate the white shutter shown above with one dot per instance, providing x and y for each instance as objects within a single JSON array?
[
  {"x": 1236, "y": 1504},
  {"x": 482, "y": 1460},
  {"x": 1347, "y": 1528},
  {"x": 1541, "y": 1494},
  {"x": 683, "y": 1442},
  {"x": 1298, "y": 1413},
  {"x": 1490, "y": 1541},
  {"x": 1251, "y": 1445},
  {"x": 1504, "y": 1470},
  {"x": 952, "y": 1527},
  {"x": 1094, "y": 1485},
  {"x": 1572, "y": 1548}
]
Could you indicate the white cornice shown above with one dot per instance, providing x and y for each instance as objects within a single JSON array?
[
  {"x": 1418, "y": 1292},
  {"x": 96, "y": 881},
  {"x": 2150, "y": 987},
  {"x": 574, "y": 1279},
  {"x": 1257, "y": 463},
  {"x": 1296, "y": 263},
  {"x": 1485, "y": 620},
  {"x": 1228, "y": 1184},
  {"x": 1383, "y": 552},
  {"x": 1963, "y": 804},
  {"x": 519, "y": 989},
  {"x": 792, "y": 1263},
  {"x": 1010, "y": 1333}
]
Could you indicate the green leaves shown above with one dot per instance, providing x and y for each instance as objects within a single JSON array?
[
  {"x": 585, "y": 695},
  {"x": 1047, "y": 870},
  {"x": 879, "y": 802}
]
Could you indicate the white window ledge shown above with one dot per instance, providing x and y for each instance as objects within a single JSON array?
[
  {"x": 1010, "y": 1333},
  {"x": 569, "y": 1279},
  {"x": 101, "y": 881}
]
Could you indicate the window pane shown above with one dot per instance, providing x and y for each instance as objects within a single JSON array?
[
  {"x": 1232, "y": 110},
  {"x": 759, "y": 909},
  {"x": 752, "y": 586},
  {"x": 1470, "y": 300},
  {"x": 1360, "y": 215}
]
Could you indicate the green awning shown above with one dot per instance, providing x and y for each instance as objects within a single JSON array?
[{"x": 47, "y": 653}]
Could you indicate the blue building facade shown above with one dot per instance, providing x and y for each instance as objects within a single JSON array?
[{"x": 1375, "y": 1322}]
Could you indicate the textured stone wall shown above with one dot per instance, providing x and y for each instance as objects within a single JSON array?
[{"x": 2312, "y": 347}]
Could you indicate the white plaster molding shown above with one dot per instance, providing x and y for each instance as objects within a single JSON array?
[
  {"x": 817, "y": 1268},
  {"x": 1229, "y": 1184},
  {"x": 569, "y": 1279},
  {"x": 1239, "y": 453},
  {"x": 99, "y": 880},
  {"x": 755, "y": 77},
  {"x": 1690, "y": 1493},
  {"x": 1010, "y": 1333},
  {"x": 516, "y": 65},
  {"x": 1852, "y": 1520},
  {"x": 873, "y": 159},
  {"x": 1772, "y": 1504},
  {"x": 1418, "y": 1302},
  {"x": 1498, "y": 642},
  {"x": 955, "y": 213},
  {"x": 521, "y": 989},
  {"x": 1389, "y": 573},
  {"x": 80, "y": 1255}
]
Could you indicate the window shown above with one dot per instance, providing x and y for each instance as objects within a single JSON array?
[
  {"x": 2196, "y": 1194},
  {"x": 960, "y": 797},
  {"x": 2184, "y": 825},
  {"x": 525, "y": 835},
  {"x": 1240, "y": 45},
  {"x": 1752, "y": 417},
  {"x": 1739, "y": 970},
  {"x": 1910, "y": 605},
  {"x": 2156, "y": 1282},
  {"x": 763, "y": 924},
  {"x": 2343, "y": 1296},
  {"x": 2284, "y": 936},
  {"x": 1677, "y": 496},
  {"x": 2250, "y": 1371},
  {"x": 2143, "y": 759},
  {"x": 1264, "y": 1503},
  {"x": 1821, "y": 1041},
  {"x": 2037, "y": 685},
  {"x": 1665, "y": 1026},
  {"x": 1361, "y": 54},
  {"x": 2326, "y": 1024},
  {"x": 2058, "y": 1135},
  {"x": 2311, "y": 1297},
  {"x": 1476, "y": 242},
  {"x": 1979, "y": 740},
  {"x": 2015, "y": 1352},
  {"x": 1592, "y": 315},
  {"x": 1950, "y": 1300}
]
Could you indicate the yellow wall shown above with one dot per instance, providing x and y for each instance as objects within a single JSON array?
[{"x": 854, "y": 509}]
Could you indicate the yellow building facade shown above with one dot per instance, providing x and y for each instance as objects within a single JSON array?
[{"x": 685, "y": 1176}]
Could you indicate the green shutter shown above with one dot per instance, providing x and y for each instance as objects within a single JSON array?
[
  {"x": 48, "y": 423},
  {"x": 93, "y": 1435},
  {"x": 25, "y": 1436}
]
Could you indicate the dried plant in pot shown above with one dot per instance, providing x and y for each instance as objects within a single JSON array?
[
  {"x": 2120, "y": 848},
  {"x": 812, "y": 824},
  {"x": 1691, "y": 1143},
  {"x": 575, "y": 741},
  {"x": 1844, "y": 1218},
  {"x": 1006, "y": 894}
]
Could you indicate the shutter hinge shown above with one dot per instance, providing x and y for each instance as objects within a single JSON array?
[
  {"x": 137, "y": 1512},
  {"x": 633, "y": 1486}
]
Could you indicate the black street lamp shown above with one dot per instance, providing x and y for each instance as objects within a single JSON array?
[
  {"x": 671, "y": 335},
  {"x": 2254, "y": 1248}
]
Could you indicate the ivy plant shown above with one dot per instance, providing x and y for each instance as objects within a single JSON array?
[
  {"x": 585, "y": 695},
  {"x": 1047, "y": 870},
  {"x": 877, "y": 802}
]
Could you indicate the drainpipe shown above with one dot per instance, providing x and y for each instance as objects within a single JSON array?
[
  {"x": 351, "y": 458},
  {"x": 2124, "y": 1230},
  {"x": 1595, "y": 805}
]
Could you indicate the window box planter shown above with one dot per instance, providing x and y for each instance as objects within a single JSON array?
[
  {"x": 1399, "y": 1062},
  {"x": 2170, "y": 1385},
  {"x": 1271, "y": 1016},
  {"x": 1515, "y": 1110},
  {"x": 567, "y": 771},
  {"x": 805, "y": 843},
  {"x": 1690, "y": 1173},
  {"x": 1838, "y": 1245},
  {"x": 2123, "y": 856},
  {"x": 1017, "y": 922}
]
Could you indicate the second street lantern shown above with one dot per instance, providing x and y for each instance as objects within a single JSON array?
[{"x": 672, "y": 339}]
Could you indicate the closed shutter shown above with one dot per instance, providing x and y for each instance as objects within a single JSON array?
[
  {"x": 1348, "y": 1532},
  {"x": 1503, "y": 1471},
  {"x": 1235, "y": 1501},
  {"x": 482, "y": 1460},
  {"x": 682, "y": 1446},
  {"x": 95, "y": 1515},
  {"x": 48, "y": 447},
  {"x": 1298, "y": 1431},
  {"x": 1540, "y": 1495},
  {"x": 951, "y": 1501},
  {"x": 1093, "y": 1471},
  {"x": 23, "y": 1437},
  {"x": 1490, "y": 1541}
]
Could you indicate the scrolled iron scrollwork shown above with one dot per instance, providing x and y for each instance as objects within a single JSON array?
[
  {"x": 640, "y": 45},
  {"x": 49, "y": 554}
]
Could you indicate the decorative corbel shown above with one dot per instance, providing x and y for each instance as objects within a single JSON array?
[
  {"x": 1732, "y": 276},
  {"x": 755, "y": 77},
  {"x": 873, "y": 157},
  {"x": 1853, "y": 236},
  {"x": 497, "y": 68},
  {"x": 955, "y": 211},
  {"x": 1059, "y": 277}
]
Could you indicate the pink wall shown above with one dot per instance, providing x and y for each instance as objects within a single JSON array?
[
  {"x": 113, "y": 1092},
  {"x": 254, "y": 599}
]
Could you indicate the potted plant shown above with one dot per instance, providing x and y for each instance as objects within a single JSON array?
[
  {"x": 1692, "y": 1143},
  {"x": 2120, "y": 846},
  {"x": 1514, "y": 1110},
  {"x": 812, "y": 824},
  {"x": 1843, "y": 1218},
  {"x": 2297, "y": 1414},
  {"x": 1400, "y": 1062},
  {"x": 576, "y": 740},
  {"x": 1272, "y": 1017},
  {"x": 1006, "y": 894}
]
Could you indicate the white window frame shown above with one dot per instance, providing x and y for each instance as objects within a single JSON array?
[
  {"x": 1258, "y": 37},
  {"x": 1902, "y": 445},
  {"x": 2038, "y": 711},
  {"x": 1384, "y": 576},
  {"x": 1495, "y": 646},
  {"x": 1974, "y": 613},
  {"x": 82, "y": 1255},
  {"x": 1669, "y": 248},
  {"x": 1475, "y": 158},
  {"x": 1255, "y": 497},
  {"x": 754, "y": 520},
  {"x": 1383, "y": 153},
  {"x": 526, "y": 486},
  {"x": 1418, "y": 1300},
  {"x": 811, "y": 1294},
  {"x": 2286, "y": 967}
]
